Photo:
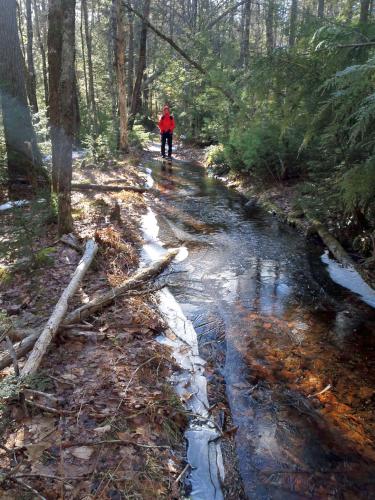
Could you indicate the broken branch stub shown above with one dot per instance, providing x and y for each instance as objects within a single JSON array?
[{"x": 41, "y": 345}]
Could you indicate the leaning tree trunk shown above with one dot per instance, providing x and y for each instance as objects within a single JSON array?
[
  {"x": 67, "y": 106},
  {"x": 23, "y": 156},
  {"x": 136, "y": 98},
  {"x": 30, "y": 60},
  {"x": 121, "y": 80}
]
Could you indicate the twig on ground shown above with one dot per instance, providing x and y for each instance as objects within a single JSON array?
[
  {"x": 184, "y": 470},
  {"x": 327, "y": 388},
  {"x": 124, "y": 442},
  {"x": 49, "y": 409},
  {"x": 14, "y": 356},
  {"x": 27, "y": 487}
]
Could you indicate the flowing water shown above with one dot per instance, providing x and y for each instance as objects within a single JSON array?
[{"x": 278, "y": 331}]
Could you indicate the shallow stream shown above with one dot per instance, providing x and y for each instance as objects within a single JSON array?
[{"x": 276, "y": 331}]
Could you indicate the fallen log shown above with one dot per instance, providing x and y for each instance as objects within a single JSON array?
[
  {"x": 21, "y": 349},
  {"x": 333, "y": 245},
  {"x": 338, "y": 251},
  {"x": 102, "y": 187},
  {"x": 73, "y": 319},
  {"x": 41, "y": 345},
  {"x": 133, "y": 282}
]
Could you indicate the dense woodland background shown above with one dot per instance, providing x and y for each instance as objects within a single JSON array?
[{"x": 281, "y": 91}]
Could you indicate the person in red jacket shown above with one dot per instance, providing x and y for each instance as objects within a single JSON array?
[{"x": 166, "y": 126}]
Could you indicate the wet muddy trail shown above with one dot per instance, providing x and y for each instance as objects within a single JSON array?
[{"x": 277, "y": 331}]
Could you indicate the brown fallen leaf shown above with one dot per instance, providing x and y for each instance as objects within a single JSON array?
[
  {"x": 103, "y": 429},
  {"x": 35, "y": 451},
  {"x": 82, "y": 452}
]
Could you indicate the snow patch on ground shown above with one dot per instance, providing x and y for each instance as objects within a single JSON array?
[
  {"x": 204, "y": 451},
  {"x": 349, "y": 279}
]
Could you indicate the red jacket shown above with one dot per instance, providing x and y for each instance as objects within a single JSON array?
[{"x": 166, "y": 123}]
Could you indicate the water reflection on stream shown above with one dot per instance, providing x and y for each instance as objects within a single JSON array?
[{"x": 289, "y": 332}]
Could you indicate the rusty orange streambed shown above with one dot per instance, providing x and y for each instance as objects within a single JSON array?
[{"x": 296, "y": 351}]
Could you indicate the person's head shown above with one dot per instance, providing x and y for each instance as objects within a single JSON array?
[{"x": 166, "y": 109}]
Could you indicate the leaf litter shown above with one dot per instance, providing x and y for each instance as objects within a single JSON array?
[{"x": 116, "y": 427}]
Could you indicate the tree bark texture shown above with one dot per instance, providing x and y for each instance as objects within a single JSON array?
[
  {"x": 42, "y": 50},
  {"x": 93, "y": 108},
  {"x": 246, "y": 17},
  {"x": 293, "y": 23},
  {"x": 23, "y": 156},
  {"x": 67, "y": 108},
  {"x": 31, "y": 77},
  {"x": 141, "y": 66},
  {"x": 121, "y": 79},
  {"x": 41, "y": 345}
]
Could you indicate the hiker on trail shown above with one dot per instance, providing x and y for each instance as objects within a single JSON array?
[{"x": 166, "y": 126}]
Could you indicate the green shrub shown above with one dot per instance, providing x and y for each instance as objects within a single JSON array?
[
  {"x": 138, "y": 137},
  {"x": 215, "y": 155},
  {"x": 358, "y": 186}
]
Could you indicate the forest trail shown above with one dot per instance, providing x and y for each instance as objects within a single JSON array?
[{"x": 286, "y": 348}]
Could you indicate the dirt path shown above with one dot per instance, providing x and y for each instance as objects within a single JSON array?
[{"x": 114, "y": 429}]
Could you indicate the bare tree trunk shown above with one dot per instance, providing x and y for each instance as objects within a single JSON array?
[
  {"x": 67, "y": 105},
  {"x": 84, "y": 61},
  {"x": 31, "y": 77},
  {"x": 270, "y": 39},
  {"x": 19, "y": 13},
  {"x": 42, "y": 50},
  {"x": 246, "y": 15},
  {"x": 321, "y": 9},
  {"x": 111, "y": 36},
  {"x": 92, "y": 109},
  {"x": 130, "y": 74},
  {"x": 292, "y": 24},
  {"x": 141, "y": 66},
  {"x": 54, "y": 68},
  {"x": 364, "y": 13},
  {"x": 121, "y": 80},
  {"x": 23, "y": 156}
]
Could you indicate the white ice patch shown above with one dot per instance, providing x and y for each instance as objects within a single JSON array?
[
  {"x": 349, "y": 279},
  {"x": 204, "y": 451},
  {"x": 12, "y": 204}
]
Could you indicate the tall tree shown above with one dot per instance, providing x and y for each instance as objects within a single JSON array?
[
  {"x": 245, "y": 21},
  {"x": 63, "y": 102},
  {"x": 130, "y": 74},
  {"x": 141, "y": 65},
  {"x": 68, "y": 111},
  {"x": 364, "y": 12},
  {"x": 31, "y": 77},
  {"x": 23, "y": 156},
  {"x": 42, "y": 50},
  {"x": 55, "y": 14},
  {"x": 121, "y": 79},
  {"x": 92, "y": 108},
  {"x": 320, "y": 9},
  {"x": 270, "y": 19},
  {"x": 293, "y": 22}
]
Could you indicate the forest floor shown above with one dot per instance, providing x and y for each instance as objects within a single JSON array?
[{"x": 108, "y": 424}]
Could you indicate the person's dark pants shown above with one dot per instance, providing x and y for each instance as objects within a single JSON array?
[{"x": 166, "y": 136}]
